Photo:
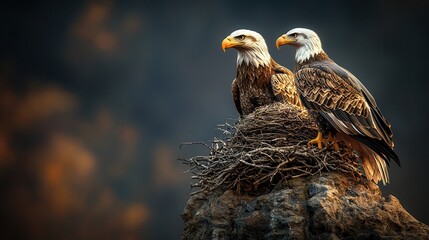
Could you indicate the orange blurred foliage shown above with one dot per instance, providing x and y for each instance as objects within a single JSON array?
[
  {"x": 41, "y": 104},
  {"x": 166, "y": 168},
  {"x": 91, "y": 26},
  {"x": 94, "y": 27},
  {"x": 62, "y": 179}
]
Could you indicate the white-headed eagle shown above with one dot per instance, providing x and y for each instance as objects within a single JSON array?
[
  {"x": 340, "y": 104},
  {"x": 259, "y": 80}
]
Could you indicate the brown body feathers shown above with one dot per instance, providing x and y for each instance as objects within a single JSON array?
[{"x": 257, "y": 86}]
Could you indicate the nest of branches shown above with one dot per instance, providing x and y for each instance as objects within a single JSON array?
[{"x": 265, "y": 148}]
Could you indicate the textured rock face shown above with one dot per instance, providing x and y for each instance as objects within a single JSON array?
[{"x": 330, "y": 206}]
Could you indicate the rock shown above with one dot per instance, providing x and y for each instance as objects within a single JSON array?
[{"x": 327, "y": 206}]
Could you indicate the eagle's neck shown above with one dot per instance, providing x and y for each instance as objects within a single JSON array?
[
  {"x": 320, "y": 57},
  {"x": 257, "y": 57},
  {"x": 309, "y": 49}
]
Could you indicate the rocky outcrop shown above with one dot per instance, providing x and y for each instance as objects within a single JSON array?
[{"x": 327, "y": 206}]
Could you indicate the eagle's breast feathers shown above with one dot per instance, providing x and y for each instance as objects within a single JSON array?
[{"x": 263, "y": 85}]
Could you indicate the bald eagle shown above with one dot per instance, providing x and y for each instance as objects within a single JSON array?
[
  {"x": 259, "y": 80},
  {"x": 340, "y": 104}
]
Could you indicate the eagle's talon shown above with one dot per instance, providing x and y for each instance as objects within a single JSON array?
[{"x": 318, "y": 140}]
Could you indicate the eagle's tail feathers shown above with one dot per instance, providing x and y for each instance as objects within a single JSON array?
[{"x": 373, "y": 164}]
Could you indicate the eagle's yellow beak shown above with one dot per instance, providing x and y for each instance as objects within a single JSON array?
[
  {"x": 230, "y": 42},
  {"x": 283, "y": 40}
]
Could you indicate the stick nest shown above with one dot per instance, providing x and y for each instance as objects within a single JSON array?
[{"x": 265, "y": 148}]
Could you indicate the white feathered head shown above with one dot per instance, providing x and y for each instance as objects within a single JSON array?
[{"x": 250, "y": 45}]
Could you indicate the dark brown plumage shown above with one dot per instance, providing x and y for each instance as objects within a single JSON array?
[
  {"x": 326, "y": 87},
  {"x": 257, "y": 86}
]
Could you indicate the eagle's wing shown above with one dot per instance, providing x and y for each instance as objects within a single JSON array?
[
  {"x": 283, "y": 86},
  {"x": 348, "y": 106},
  {"x": 236, "y": 96}
]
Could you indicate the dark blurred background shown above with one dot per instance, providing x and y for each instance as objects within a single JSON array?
[{"x": 96, "y": 97}]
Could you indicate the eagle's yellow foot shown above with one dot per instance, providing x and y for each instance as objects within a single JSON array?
[
  {"x": 333, "y": 141},
  {"x": 318, "y": 140}
]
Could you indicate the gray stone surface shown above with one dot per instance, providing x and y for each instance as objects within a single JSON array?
[{"x": 328, "y": 206}]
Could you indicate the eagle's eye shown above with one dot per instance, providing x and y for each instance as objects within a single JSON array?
[
  {"x": 294, "y": 35},
  {"x": 240, "y": 37}
]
